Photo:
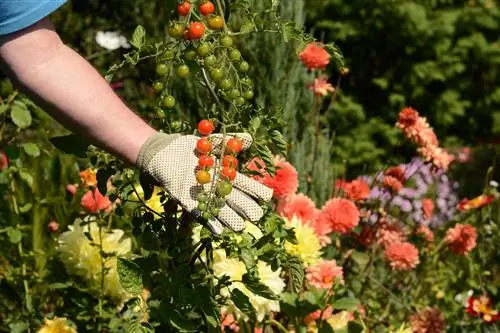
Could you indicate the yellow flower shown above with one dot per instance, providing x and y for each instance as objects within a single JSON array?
[
  {"x": 88, "y": 177},
  {"x": 56, "y": 325},
  {"x": 153, "y": 203},
  {"x": 339, "y": 320},
  {"x": 308, "y": 247},
  {"x": 82, "y": 258},
  {"x": 235, "y": 270}
]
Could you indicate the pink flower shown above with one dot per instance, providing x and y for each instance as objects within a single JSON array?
[
  {"x": 341, "y": 214},
  {"x": 72, "y": 188},
  {"x": 313, "y": 316},
  {"x": 284, "y": 183},
  {"x": 357, "y": 189},
  {"x": 427, "y": 208},
  {"x": 402, "y": 256},
  {"x": 4, "y": 162},
  {"x": 53, "y": 226},
  {"x": 464, "y": 154},
  {"x": 389, "y": 233},
  {"x": 426, "y": 233},
  {"x": 93, "y": 201},
  {"x": 230, "y": 322},
  {"x": 323, "y": 229},
  {"x": 461, "y": 239},
  {"x": 314, "y": 56},
  {"x": 321, "y": 87},
  {"x": 324, "y": 274},
  {"x": 299, "y": 205}
]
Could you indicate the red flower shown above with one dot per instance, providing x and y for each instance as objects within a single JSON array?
[
  {"x": 408, "y": 117},
  {"x": 284, "y": 183},
  {"x": 402, "y": 256},
  {"x": 357, "y": 189},
  {"x": 299, "y": 205},
  {"x": 475, "y": 203},
  {"x": 93, "y": 201},
  {"x": 340, "y": 214},
  {"x": 53, "y": 226},
  {"x": 314, "y": 56},
  {"x": 427, "y": 208},
  {"x": 461, "y": 239},
  {"x": 392, "y": 184},
  {"x": 4, "y": 162},
  {"x": 396, "y": 172},
  {"x": 481, "y": 307},
  {"x": 426, "y": 233}
]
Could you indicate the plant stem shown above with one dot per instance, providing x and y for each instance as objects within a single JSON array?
[
  {"x": 221, "y": 12},
  {"x": 277, "y": 324},
  {"x": 101, "y": 291}
]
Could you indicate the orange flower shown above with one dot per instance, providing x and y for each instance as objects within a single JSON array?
[
  {"x": 357, "y": 189},
  {"x": 481, "y": 307},
  {"x": 88, "y": 177},
  {"x": 475, "y": 203},
  {"x": 299, "y": 205},
  {"x": 396, "y": 172},
  {"x": 402, "y": 256},
  {"x": 324, "y": 274},
  {"x": 313, "y": 316},
  {"x": 314, "y": 56},
  {"x": 461, "y": 239},
  {"x": 389, "y": 233},
  {"x": 93, "y": 201},
  {"x": 392, "y": 184},
  {"x": 340, "y": 214},
  {"x": 427, "y": 208},
  {"x": 321, "y": 87},
  {"x": 285, "y": 181},
  {"x": 425, "y": 232}
]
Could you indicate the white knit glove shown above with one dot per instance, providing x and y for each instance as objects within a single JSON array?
[{"x": 172, "y": 161}]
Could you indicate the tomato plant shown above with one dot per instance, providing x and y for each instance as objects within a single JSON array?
[
  {"x": 207, "y": 8},
  {"x": 234, "y": 145},
  {"x": 203, "y": 177},
  {"x": 205, "y": 161},
  {"x": 196, "y": 30},
  {"x": 215, "y": 22}
]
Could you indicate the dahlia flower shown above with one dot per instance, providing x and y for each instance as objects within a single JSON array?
[
  {"x": 299, "y": 205},
  {"x": 81, "y": 256},
  {"x": 308, "y": 247},
  {"x": 356, "y": 190},
  {"x": 481, "y": 307},
  {"x": 314, "y": 56},
  {"x": 341, "y": 214},
  {"x": 461, "y": 239},
  {"x": 396, "y": 172},
  {"x": 321, "y": 87},
  {"x": 324, "y": 274},
  {"x": 427, "y": 208},
  {"x": 392, "y": 184},
  {"x": 425, "y": 232},
  {"x": 154, "y": 202},
  {"x": 428, "y": 320},
  {"x": 284, "y": 183},
  {"x": 389, "y": 233},
  {"x": 56, "y": 325},
  {"x": 402, "y": 256}
]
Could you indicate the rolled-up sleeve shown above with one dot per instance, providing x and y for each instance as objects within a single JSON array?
[{"x": 16, "y": 15}]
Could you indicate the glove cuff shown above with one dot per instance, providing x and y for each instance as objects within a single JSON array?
[{"x": 152, "y": 146}]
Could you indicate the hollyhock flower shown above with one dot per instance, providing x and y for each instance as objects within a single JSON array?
[
  {"x": 324, "y": 274},
  {"x": 308, "y": 247},
  {"x": 392, "y": 184},
  {"x": 357, "y": 189},
  {"x": 4, "y": 162},
  {"x": 396, "y": 172},
  {"x": 314, "y": 56},
  {"x": 111, "y": 40},
  {"x": 71, "y": 189},
  {"x": 425, "y": 232},
  {"x": 461, "y": 239},
  {"x": 439, "y": 157},
  {"x": 81, "y": 256},
  {"x": 284, "y": 183},
  {"x": 53, "y": 226},
  {"x": 477, "y": 202},
  {"x": 88, "y": 177},
  {"x": 427, "y": 208},
  {"x": 93, "y": 201},
  {"x": 299, "y": 205},
  {"x": 481, "y": 307},
  {"x": 321, "y": 87},
  {"x": 313, "y": 316},
  {"x": 407, "y": 117},
  {"x": 56, "y": 325},
  {"x": 341, "y": 214},
  {"x": 428, "y": 320},
  {"x": 402, "y": 256}
]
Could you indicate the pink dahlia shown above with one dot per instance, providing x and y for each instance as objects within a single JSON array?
[
  {"x": 389, "y": 233},
  {"x": 341, "y": 214},
  {"x": 299, "y": 205},
  {"x": 93, "y": 201},
  {"x": 285, "y": 181},
  {"x": 461, "y": 239},
  {"x": 324, "y": 274},
  {"x": 314, "y": 56},
  {"x": 357, "y": 189},
  {"x": 402, "y": 256},
  {"x": 321, "y": 87}
]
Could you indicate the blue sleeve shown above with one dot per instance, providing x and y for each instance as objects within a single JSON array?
[{"x": 19, "y": 14}]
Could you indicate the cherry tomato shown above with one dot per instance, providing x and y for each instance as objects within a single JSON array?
[
  {"x": 205, "y": 161},
  {"x": 196, "y": 30},
  {"x": 206, "y": 127},
  {"x": 215, "y": 22},
  {"x": 230, "y": 161},
  {"x": 244, "y": 67},
  {"x": 247, "y": 81},
  {"x": 176, "y": 30},
  {"x": 183, "y": 8},
  {"x": 226, "y": 41},
  {"x": 206, "y": 216},
  {"x": 228, "y": 173},
  {"x": 183, "y": 71},
  {"x": 202, "y": 206},
  {"x": 203, "y": 50},
  {"x": 224, "y": 188},
  {"x": 202, "y": 197},
  {"x": 248, "y": 95},
  {"x": 207, "y": 8},
  {"x": 185, "y": 34},
  {"x": 203, "y": 177},
  {"x": 215, "y": 211},
  {"x": 160, "y": 114},
  {"x": 234, "y": 145},
  {"x": 190, "y": 55},
  {"x": 226, "y": 84},
  {"x": 168, "y": 55},
  {"x": 234, "y": 93},
  {"x": 239, "y": 101},
  {"x": 158, "y": 86},
  {"x": 216, "y": 74},
  {"x": 203, "y": 146},
  {"x": 162, "y": 69},
  {"x": 168, "y": 102},
  {"x": 235, "y": 55},
  {"x": 210, "y": 60}
]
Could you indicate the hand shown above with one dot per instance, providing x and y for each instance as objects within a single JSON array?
[{"x": 172, "y": 161}]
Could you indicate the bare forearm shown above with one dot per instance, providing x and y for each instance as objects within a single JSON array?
[{"x": 72, "y": 91}]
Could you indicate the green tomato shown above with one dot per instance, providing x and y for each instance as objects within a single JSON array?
[
  {"x": 160, "y": 113},
  {"x": 190, "y": 55},
  {"x": 235, "y": 55},
  {"x": 162, "y": 69},
  {"x": 226, "y": 84},
  {"x": 226, "y": 41},
  {"x": 239, "y": 101},
  {"x": 215, "y": 211},
  {"x": 168, "y": 102},
  {"x": 234, "y": 93},
  {"x": 202, "y": 206},
  {"x": 244, "y": 67},
  {"x": 216, "y": 74},
  {"x": 210, "y": 60},
  {"x": 176, "y": 30},
  {"x": 224, "y": 188},
  {"x": 248, "y": 95},
  {"x": 158, "y": 86},
  {"x": 206, "y": 215},
  {"x": 220, "y": 202},
  {"x": 183, "y": 71},
  {"x": 247, "y": 81},
  {"x": 203, "y": 50},
  {"x": 202, "y": 197},
  {"x": 168, "y": 55}
]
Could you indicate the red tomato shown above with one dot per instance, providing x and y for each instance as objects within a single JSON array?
[
  {"x": 203, "y": 177},
  {"x": 196, "y": 30},
  {"x": 230, "y": 161},
  {"x": 204, "y": 146},
  {"x": 228, "y": 173},
  {"x": 206, "y": 127},
  {"x": 207, "y": 8},
  {"x": 205, "y": 161},
  {"x": 234, "y": 145},
  {"x": 183, "y": 8}
]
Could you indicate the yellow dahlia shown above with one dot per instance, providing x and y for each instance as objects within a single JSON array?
[
  {"x": 56, "y": 325},
  {"x": 308, "y": 247},
  {"x": 339, "y": 320},
  {"x": 82, "y": 258},
  {"x": 153, "y": 203}
]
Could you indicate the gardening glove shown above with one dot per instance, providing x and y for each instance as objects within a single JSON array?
[{"x": 172, "y": 161}]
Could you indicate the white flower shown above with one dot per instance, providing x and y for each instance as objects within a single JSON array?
[
  {"x": 493, "y": 183},
  {"x": 463, "y": 297},
  {"x": 111, "y": 40}
]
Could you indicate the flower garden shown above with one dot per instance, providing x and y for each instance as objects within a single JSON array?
[{"x": 382, "y": 219}]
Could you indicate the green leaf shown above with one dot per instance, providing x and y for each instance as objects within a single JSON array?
[
  {"x": 15, "y": 235},
  {"x": 345, "y": 303},
  {"x": 3, "y": 108},
  {"x": 254, "y": 285},
  {"x": 25, "y": 208},
  {"x": 242, "y": 302},
  {"x": 31, "y": 149},
  {"x": 248, "y": 257},
  {"x": 138, "y": 37},
  {"x": 296, "y": 273},
  {"x": 27, "y": 177},
  {"x": 18, "y": 327},
  {"x": 130, "y": 275},
  {"x": 71, "y": 144},
  {"x": 21, "y": 117},
  {"x": 360, "y": 258},
  {"x": 247, "y": 27}
]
